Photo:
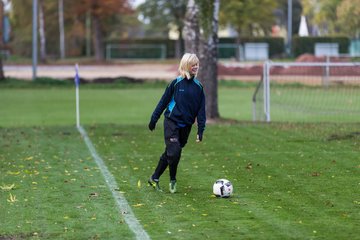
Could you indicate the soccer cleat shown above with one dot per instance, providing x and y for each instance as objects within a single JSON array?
[
  {"x": 154, "y": 183},
  {"x": 172, "y": 186}
]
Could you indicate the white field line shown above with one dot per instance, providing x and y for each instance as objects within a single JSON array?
[{"x": 121, "y": 202}]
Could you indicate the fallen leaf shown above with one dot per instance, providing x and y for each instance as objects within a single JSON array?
[
  {"x": 12, "y": 198},
  {"x": 93, "y": 194},
  {"x": 7, "y": 187},
  {"x": 249, "y": 166},
  {"x": 138, "y": 205}
]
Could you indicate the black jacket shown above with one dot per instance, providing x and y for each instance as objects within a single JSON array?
[{"x": 184, "y": 100}]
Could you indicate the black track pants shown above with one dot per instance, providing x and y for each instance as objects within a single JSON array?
[{"x": 175, "y": 139}]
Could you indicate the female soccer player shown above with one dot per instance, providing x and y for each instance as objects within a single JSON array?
[{"x": 184, "y": 101}]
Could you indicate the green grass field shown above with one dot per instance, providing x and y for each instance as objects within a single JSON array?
[{"x": 291, "y": 181}]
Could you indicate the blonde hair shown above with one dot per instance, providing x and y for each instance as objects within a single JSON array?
[{"x": 187, "y": 61}]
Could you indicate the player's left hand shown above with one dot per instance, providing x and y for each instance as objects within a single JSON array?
[{"x": 152, "y": 125}]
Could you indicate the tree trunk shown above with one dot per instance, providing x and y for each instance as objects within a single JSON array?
[
  {"x": 42, "y": 32},
  {"x": 2, "y": 76},
  {"x": 61, "y": 29},
  {"x": 205, "y": 46},
  {"x": 97, "y": 39},
  {"x": 178, "y": 44},
  {"x": 208, "y": 65},
  {"x": 88, "y": 33},
  {"x": 191, "y": 28}
]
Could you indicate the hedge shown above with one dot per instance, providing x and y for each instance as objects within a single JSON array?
[
  {"x": 301, "y": 45},
  {"x": 276, "y": 44}
]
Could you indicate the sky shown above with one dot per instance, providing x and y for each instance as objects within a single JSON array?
[
  {"x": 137, "y": 2},
  {"x": 7, "y": 5}
]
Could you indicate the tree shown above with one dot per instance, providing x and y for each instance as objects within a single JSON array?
[
  {"x": 209, "y": 21},
  {"x": 348, "y": 19},
  {"x": 163, "y": 14},
  {"x": 99, "y": 12},
  {"x": 191, "y": 28},
  {"x": 296, "y": 14},
  {"x": 334, "y": 16},
  {"x": 21, "y": 21},
  {"x": 204, "y": 26},
  {"x": 106, "y": 13},
  {"x": 249, "y": 18},
  {"x": 2, "y": 76},
  {"x": 310, "y": 11},
  {"x": 325, "y": 15}
]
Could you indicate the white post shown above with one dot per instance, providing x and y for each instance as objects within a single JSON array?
[
  {"x": 327, "y": 71},
  {"x": 267, "y": 90},
  {"x": 61, "y": 28},
  {"x": 34, "y": 39},
  {"x": 77, "y": 83}
]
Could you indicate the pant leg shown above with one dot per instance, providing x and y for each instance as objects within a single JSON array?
[
  {"x": 184, "y": 135},
  {"x": 173, "y": 148},
  {"x": 175, "y": 139},
  {"x": 161, "y": 167},
  {"x": 172, "y": 152},
  {"x": 182, "y": 140}
]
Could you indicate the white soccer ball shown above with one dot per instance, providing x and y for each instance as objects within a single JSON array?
[{"x": 223, "y": 188}]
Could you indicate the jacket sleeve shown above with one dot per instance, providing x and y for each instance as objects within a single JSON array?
[
  {"x": 164, "y": 102},
  {"x": 201, "y": 117}
]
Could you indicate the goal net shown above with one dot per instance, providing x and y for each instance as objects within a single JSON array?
[{"x": 308, "y": 92}]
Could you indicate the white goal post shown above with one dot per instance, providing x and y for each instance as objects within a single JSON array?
[{"x": 308, "y": 92}]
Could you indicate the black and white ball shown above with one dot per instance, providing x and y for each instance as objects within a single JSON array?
[{"x": 223, "y": 188}]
